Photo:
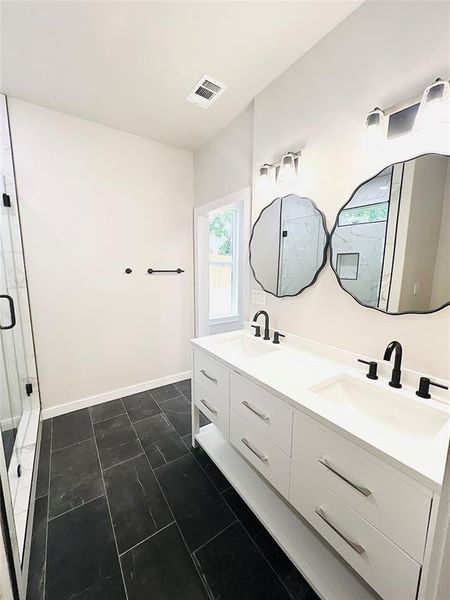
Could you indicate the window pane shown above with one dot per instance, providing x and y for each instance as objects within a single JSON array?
[
  {"x": 221, "y": 263},
  {"x": 372, "y": 213}
]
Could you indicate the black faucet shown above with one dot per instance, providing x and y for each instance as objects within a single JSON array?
[
  {"x": 396, "y": 371},
  {"x": 266, "y": 324}
]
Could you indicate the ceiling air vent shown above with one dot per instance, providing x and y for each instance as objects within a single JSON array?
[{"x": 206, "y": 91}]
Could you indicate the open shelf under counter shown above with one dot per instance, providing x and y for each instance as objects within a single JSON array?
[{"x": 327, "y": 574}]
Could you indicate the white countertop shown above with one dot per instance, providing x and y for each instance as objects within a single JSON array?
[{"x": 290, "y": 371}]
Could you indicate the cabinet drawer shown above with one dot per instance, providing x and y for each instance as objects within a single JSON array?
[
  {"x": 395, "y": 505},
  {"x": 390, "y": 571},
  {"x": 211, "y": 374},
  {"x": 269, "y": 460},
  {"x": 267, "y": 413},
  {"x": 216, "y": 409}
]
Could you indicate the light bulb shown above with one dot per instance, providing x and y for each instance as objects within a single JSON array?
[
  {"x": 375, "y": 127},
  {"x": 435, "y": 105},
  {"x": 287, "y": 174}
]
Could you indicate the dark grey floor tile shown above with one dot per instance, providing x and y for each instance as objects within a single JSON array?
[
  {"x": 164, "y": 392},
  {"x": 46, "y": 432},
  {"x": 161, "y": 442},
  {"x": 251, "y": 523},
  {"x": 137, "y": 505},
  {"x": 106, "y": 410},
  {"x": 219, "y": 480},
  {"x": 234, "y": 568},
  {"x": 75, "y": 477},
  {"x": 184, "y": 387},
  {"x": 292, "y": 579},
  {"x": 161, "y": 569},
  {"x": 36, "y": 573},
  {"x": 43, "y": 468},
  {"x": 71, "y": 428},
  {"x": 199, "y": 510},
  {"x": 296, "y": 585},
  {"x": 82, "y": 556},
  {"x": 178, "y": 411},
  {"x": 116, "y": 441},
  {"x": 140, "y": 406}
]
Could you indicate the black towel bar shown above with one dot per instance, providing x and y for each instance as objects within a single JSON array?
[{"x": 150, "y": 271}]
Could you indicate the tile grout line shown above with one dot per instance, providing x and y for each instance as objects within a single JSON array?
[
  {"x": 109, "y": 510},
  {"x": 44, "y": 591},
  {"x": 256, "y": 545},
  {"x": 173, "y": 517},
  {"x": 66, "y": 512},
  {"x": 204, "y": 471},
  {"x": 70, "y": 445},
  {"x": 122, "y": 462},
  {"x": 236, "y": 520},
  {"x": 147, "y": 538}
]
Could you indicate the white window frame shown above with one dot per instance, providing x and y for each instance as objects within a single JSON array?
[
  {"x": 235, "y": 264},
  {"x": 203, "y": 324}
]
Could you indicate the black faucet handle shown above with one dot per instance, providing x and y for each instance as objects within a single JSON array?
[
  {"x": 257, "y": 330},
  {"x": 276, "y": 337},
  {"x": 424, "y": 387},
  {"x": 373, "y": 368}
]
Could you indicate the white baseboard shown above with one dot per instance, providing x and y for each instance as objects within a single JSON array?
[{"x": 61, "y": 409}]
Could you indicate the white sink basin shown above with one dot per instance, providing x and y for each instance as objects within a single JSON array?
[
  {"x": 391, "y": 409},
  {"x": 246, "y": 346}
]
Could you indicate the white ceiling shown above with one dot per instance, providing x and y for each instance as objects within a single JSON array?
[{"x": 130, "y": 65}]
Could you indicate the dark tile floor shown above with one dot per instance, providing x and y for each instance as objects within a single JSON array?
[{"x": 127, "y": 509}]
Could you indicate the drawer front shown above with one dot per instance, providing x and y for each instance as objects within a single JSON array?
[
  {"x": 390, "y": 571},
  {"x": 210, "y": 373},
  {"x": 216, "y": 409},
  {"x": 267, "y": 413},
  {"x": 269, "y": 460},
  {"x": 396, "y": 506}
]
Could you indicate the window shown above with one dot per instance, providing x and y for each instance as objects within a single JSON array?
[
  {"x": 358, "y": 215},
  {"x": 223, "y": 263}
]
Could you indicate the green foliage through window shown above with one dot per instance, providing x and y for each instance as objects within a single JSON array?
[
  {"x": 359, "y": 215},
  {"x": 220, "y": 233}
]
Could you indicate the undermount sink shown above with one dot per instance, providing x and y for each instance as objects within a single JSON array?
[
  {"x": 242, "y": 344},
  {"x": 383, "y": 406}
]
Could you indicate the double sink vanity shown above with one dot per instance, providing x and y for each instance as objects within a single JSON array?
[{"x": 343, "y": 470}]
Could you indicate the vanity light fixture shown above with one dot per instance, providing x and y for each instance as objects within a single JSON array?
[
  {"x": 264, "y": 171},
  {"x": 435, "y": 105},
  {"x": 375, "y": 125},
  {"x": 287, "y": 171},
  {"x": 428, "y": 112}
]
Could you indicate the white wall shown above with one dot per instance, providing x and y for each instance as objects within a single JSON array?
[
  {"x": 224, "y": 165},
  {"x": 384, "y": 53},
  {"x": 94, "y": 201}
]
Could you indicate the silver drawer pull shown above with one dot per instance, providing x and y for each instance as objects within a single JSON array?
[
  {"x": 362, "y": 490},
  {"x": 256, "y": 452},
  {"x": 210, "y": 408},
  {"x": 203, "y": 372},
  {"x": 256, "y": 412},
  {"x": 357, "y": 547}
]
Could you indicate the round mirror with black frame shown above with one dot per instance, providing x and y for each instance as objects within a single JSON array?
[
  {"x": 288, "y": 245},
  {"x": 390, "y": 244}
]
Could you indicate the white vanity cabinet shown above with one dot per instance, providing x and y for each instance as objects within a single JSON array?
[{"x": 375, "y": 517}]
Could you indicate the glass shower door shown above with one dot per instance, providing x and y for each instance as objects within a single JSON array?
[{"x": 19, "y": 399}]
